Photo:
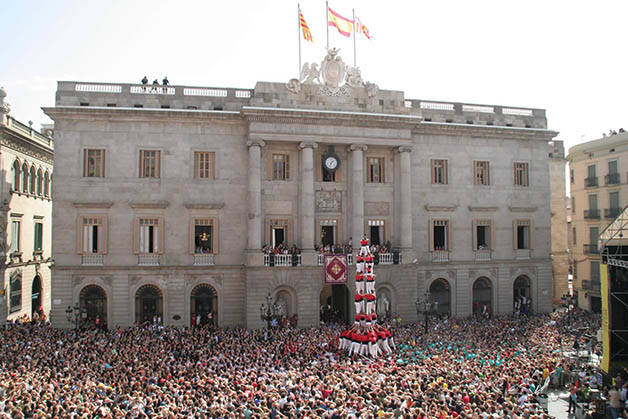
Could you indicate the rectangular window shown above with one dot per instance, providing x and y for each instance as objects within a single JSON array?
[
  {"x": 593, "y": 202},
  {"x": 93, "y": 235},
  {"x": 575, "y": 241},
  {"x": 591, "y": 172},
  {"x": 521, "y": 174},
  {"x": 15, "y": 288},
  {"x": 594, "y": 235},
  {"x": 94, "y": 163},
  {"x": 281, "y": 167},
  {"x": 522, "y": 234},
  {"x": 481, "y": 173},
  {"x": 440, "y": 236},
  {"x": 483, "y": 234},
  {"x": 612, "y": 167},
  {"x": 595, "y": 272},
  {"x": 150, "y": 163},
  {"x": 149, "y": 235},
  {"x": 439, "y": 172},
  {"x": 377, "y": 232},
  {"x": 573, "y": 204},
  {"x": 203, "y": 236},
  {"x": 375, "y": 169},
  {"x": 204, "y": 165},
  {"x": 15, "y": 236},
  {"x": 39, "y": 237},
  {"x": 571, "y": 176},
  {"x": 613, "y": 200}
]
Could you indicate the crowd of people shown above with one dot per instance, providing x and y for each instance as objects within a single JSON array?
[
  {"x": 612, "y": 132},
  {"x": 470, "y": 368},
  {"x": 281, "y": 249}
]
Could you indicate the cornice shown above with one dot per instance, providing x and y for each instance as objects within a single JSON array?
[
  {"x": 484, "y": 131},
  {"x": 204, "y": 205},
  {"x": 441, "y": 208},
  {"x": 522, "y": 209},
  {"x": 17, "y": 143},
  {"x": 139, "y": 114},
  {"x": 92, "y": 204},
  {"x": 482, "y": 209},
  {"x": 149, "y": 204}
]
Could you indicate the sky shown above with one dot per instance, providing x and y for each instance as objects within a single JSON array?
[{"x": 568, "y": 57}]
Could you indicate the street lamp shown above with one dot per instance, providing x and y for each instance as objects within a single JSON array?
[
  {"x": 427, "y": 305},
  {"x": 73, "y": 314},
  {"x": 269, "y": 311}
]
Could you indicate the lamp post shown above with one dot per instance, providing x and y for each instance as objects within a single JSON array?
[
  {"x": 426, "y": 305},
  {"x": 269, "y": 311},
  {"x": 73, "y": 314}
]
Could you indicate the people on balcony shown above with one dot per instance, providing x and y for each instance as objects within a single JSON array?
[{"x": 281, "y": 249}]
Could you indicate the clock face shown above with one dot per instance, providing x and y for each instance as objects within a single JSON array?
[{"x": 331, "y": 163}]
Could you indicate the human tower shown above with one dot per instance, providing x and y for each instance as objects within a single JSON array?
[{"x": 366, "y": 337}]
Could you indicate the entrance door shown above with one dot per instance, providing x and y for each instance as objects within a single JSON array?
[
  {"x": 93, "y": 302},
  {"x": 36, "y": 296},
  {"x": 327, "y": 235},
  {"x": 148, "y": 304},
  {"x": 482, "y": 297},
  {"x": 334, "y": 304},
  {"x": 203, "y": 302},
  {"x": 278, "y": 236},
  {"x": 375, "y": 240},
  {"x": 440, "y": 291}
]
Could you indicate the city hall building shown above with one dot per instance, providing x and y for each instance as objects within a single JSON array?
[{"x": 165, "y": 197}]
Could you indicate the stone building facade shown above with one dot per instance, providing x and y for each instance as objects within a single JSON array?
[
  {"x": 560, "y": 231},
  {"x": 26, "y": 158},
  {"x": 165, "y": 197},
  {"x": 599, "y": 192}
]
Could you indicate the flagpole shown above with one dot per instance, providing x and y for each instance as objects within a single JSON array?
[
  {"x": 327, "y": 22},
  {"x": 299, "y": 36},
  {"x": 354, "y": 53}
]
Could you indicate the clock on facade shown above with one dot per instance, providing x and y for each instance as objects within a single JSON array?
[{"x": 331, "y": 162}]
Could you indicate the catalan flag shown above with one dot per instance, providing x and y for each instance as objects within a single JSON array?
[
  {"x": 307, "y": 34},
  {"x": 344, "y": 25},
  {"x": 360, "y": 28}
]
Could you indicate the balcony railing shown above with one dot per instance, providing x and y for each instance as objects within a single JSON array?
[
  {"x": 522, "y": 254},
  {"x": 611, "y": 212},
  {"x": 148, "y": 260},
  {"x": 203, "y": 259},
  {"x": 282, "y": 260},
  {"x": 320, "y": 259},
  {"x": 611, "y": 179},
  {"x": 590, "y": 249},
  {"x": 590, "y": 182},
  {"x": 93, "y": 260},
  {"x": 440, "y": 256},
  {"x": 482, "y": 254},
  {"x": 592, "y": 214},
  {"x": 385, "y": 258},
  {"x": 594, "y": 285}
]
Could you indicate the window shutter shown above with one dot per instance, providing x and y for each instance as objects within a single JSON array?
[
  {"x": 474, "y": 235},
  {"x": 531, "y": 228},
  {"x": 431, "y": 235},
  {"x": 514, "y": 234},
  {"x": 446, "y": 174},
  {"x": 212, "y": 168},
  {"x": 287, "y": 167},
  {"x": 492, "y": 227},
  {"x": 104, "y": 230},
  {"x": 136, "y": 235},
  {"x": 79, "y": 236},
  {"x": 214, "y": 235},
  {"x": 158, "y": 164},
  {"x": 197, "y": 164},
  {"x": 449, "y": 241},
  {"x": 159, "y": 239},
  {"x": 382, "y": 174}
]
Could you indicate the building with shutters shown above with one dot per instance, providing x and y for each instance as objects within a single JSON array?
[
  {"x": 166, "y": 196},
  {"x": 26, "y": 157}
]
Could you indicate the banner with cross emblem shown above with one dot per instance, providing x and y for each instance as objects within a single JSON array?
[{"x": 335, "y": 269}]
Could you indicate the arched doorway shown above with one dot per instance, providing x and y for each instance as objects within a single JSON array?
[
  {"x": 36, "y": 296},
  {"x": 285, "y": 299},
  {"x": 482, "y": 297},
  {"x": 440, "y": 291},
  {"x": 384, "y": 303},
  {"x": 521, "y": 294},
  {"x": 93, "y": 302},
  {"x": 148, "y": 304},
  {"x": 203, "y": 305},
  {"x": 334, "y": 303}
]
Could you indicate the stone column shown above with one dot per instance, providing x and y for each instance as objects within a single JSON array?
[
  {"x": 254, "y": 242},
  {"x": 405, "y": 194},
  {"x": 307, "y": 195},
  {"x": 357, "y": 192}
]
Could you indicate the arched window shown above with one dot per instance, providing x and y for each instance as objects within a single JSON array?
[
  {"x": 15, "y": 285},
  {"x": 40, "y": 182},
  {"x": 46, "y": 184},
  {"x": 32, "y": 180},
  {"x": 16, "y": 175},
  {"x": 25, "y": 177}
]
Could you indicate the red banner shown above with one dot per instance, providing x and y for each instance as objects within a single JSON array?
[{"x": 335, "y": 269}]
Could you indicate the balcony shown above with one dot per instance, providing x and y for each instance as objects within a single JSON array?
[
  {"x": 590, "y": 182},
  {"x": 594, "y": 285},
  {"x": 384, "y": 258},
  {"x": 282, "y": 260},
  {"x": 150, "y": 259},
  {"x": 203, "y": 259},
  {"x": 439, "y": 256},
  {"x": 93, "y": 260},
  {"x": 612, "y": 179},
  {"x": 482, "y": 255},
  {"x": 320, "y": 259},
  {"x": 522, "y": 254},
  {"x": 590, "y": 249},
  {"x": 592, "y": 214},
  {"x": 611, "y": 213}
]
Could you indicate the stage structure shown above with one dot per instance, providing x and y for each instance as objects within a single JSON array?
[
  {"x": 614, "y": 293},
  {"x": 366, "y": 337}
]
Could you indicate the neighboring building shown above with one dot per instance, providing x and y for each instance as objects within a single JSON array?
[
  {"x": 599, "y": 191},
  {"x": 25, "y": 218},
  {"x": 165, "y": 196},
  {"x": 560, "y": 255}
]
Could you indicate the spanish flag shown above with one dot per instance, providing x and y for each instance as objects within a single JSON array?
[
  {"x": 344, "y": 25},
  {"x": 362, "y": 29},
  {"x": 307, "y": 35}
]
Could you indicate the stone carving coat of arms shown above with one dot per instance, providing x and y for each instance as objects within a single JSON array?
[{"x": 331, "y": 76}]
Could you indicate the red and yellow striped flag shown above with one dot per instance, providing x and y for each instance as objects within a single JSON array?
[
  {"x": 307, "y": 34},
  {"x": 362, "y": 29},
  {"x": 344, "y": 25}
]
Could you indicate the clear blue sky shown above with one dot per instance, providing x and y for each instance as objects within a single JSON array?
[{"x": 568, "y": 57}]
